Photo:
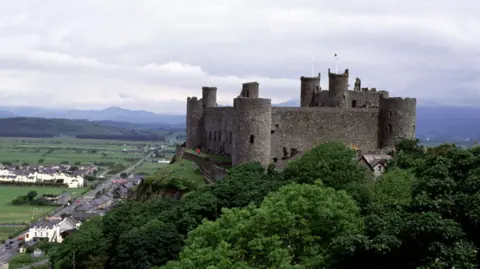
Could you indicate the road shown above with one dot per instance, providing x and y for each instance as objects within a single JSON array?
[{"x": 7, "y": 254}]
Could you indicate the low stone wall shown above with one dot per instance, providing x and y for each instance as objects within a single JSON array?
[{"x": 208, "y": 168}]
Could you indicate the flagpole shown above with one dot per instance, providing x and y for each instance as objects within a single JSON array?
[{"x": 336, "y": 63}]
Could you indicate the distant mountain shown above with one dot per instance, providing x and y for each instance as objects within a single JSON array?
[
  {"x": 108, "y": 114},
  {"x": 41, "y": 127}
]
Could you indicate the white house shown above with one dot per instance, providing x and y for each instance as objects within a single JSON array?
[
  {"x": 72, "y": 181},
  {"x": 51, "y": 229}
]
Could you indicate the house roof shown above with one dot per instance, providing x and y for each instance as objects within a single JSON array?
[
  {"x": 45, "y": 223},
  {"x": 81, "y": 215},
  {"x": 374, "y": 159}
]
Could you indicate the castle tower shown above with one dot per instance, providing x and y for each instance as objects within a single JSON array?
[
  {"x": 397, "y": 120},
  {"x": 251, "y": 130},
  {"x": 209, "y": 96},
  {"x": 337, "y": 89},
  {"x": 308, "y": 87},
  {"x": 194, "y": 122},
  {"x": 250, "y": 90}
]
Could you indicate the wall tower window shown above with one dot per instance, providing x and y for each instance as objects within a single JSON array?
[
  {"x": 390, "y": 113},
  {"x": 248, "y": 93},
  {"x": 390, "y": 128},
  {"x": 354, "y": 103},
  {"x": 252, "y": 139}
]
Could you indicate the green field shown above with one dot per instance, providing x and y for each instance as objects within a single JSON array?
[
  {"x": 23, "y": 214},
  {"x": 6, "y": 231},
  {"x": 150, "y": 167},
  {"x": 57, "y": 150}
]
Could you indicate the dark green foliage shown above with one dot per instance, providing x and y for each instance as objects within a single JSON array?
[{"x": 332, "y": 163}]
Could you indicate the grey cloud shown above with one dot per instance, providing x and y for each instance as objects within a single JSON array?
[{"x": 154, "y": 53}]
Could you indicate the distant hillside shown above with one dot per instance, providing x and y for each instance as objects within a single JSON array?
[
  {"x": 144, "y": 126},
  {"x": 41, "y": 127},
  {"x": 108, "y": 114}
]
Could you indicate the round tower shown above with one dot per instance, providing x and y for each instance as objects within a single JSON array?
[
  {"x": 194, "y": 123},
  {"x": 337, "y": 89},
  {"x": 308, "y": 87},
  {"x": 209, "y": 96},
  {"x": 397, "y": 120},
  {"x": 250, "y": 90},
  {"x": 251, "y": 130}
]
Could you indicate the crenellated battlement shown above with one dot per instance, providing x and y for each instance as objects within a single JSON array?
[{"x": 253, "y": 130}]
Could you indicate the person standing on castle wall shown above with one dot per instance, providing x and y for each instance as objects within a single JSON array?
[{"x": 197, "y": 151}]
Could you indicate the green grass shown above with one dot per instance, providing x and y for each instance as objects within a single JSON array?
[
  {"x": 149, "y": 167},
  {"x": 23, "y": 259},
  {"x": 23, "y": 214},
  {"x": 57, "y": 150},
  {"x": 184, "y": 175},
  {"x": 6, "y": 231}
]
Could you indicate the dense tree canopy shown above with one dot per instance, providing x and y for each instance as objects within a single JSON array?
[{"x": 323, "y": 210}]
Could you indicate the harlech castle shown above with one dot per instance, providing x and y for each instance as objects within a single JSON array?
[{"x": 253, "y": 130}]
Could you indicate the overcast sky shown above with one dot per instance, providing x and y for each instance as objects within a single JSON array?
[{"x": 152, "y": 54}]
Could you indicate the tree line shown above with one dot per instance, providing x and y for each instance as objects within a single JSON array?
[{"x": 323, "y": 210}]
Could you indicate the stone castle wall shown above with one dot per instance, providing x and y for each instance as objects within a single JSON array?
[{"x": 299, "y": 129}]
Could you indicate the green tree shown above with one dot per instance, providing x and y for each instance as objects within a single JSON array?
[
  {"x": 153, "y": 244},
  {"x": 123, "y": 175},
  {"x": 333, "y": 163},
  {"x": 87, "y": 246},
  {"x": 292, "y": 228},
  {"x": 31, "y": 195}
]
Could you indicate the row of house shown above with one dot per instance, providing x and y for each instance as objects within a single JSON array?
[{"x": 72, "y": 177}]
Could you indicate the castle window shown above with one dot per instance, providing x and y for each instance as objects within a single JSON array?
[
  {"x": 354, "y": 103},
  {"x": 248, "y": 93},
  {"x": 390, "y": 113},
  {"x": 390, "y": 128},
  {"x": 210, "y": 136},
  {"x": 277, "y": 126},
  {"x": 275, "y": 159},
  {"x": 252, "y": 139},
  {"x": 272, "y": 131}
]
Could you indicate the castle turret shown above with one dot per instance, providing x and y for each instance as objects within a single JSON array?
[
  {"x": 397, "y": 120},
  {"x": 337, "y": 89},
  {"x": 250, "y": 90},
  {"x": 194, "y": 122},
  {"x": 308, "y": 87},
  {"x": 209, "y": 96},
  {"x": 251, "y": 130}
]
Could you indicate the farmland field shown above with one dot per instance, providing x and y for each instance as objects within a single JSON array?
[
  {"x": 150, "y": 166},
  {"x": 73, "y": 151},
  {"x": 23, "y": 214},
  {"x": 6, "y": 231}
]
